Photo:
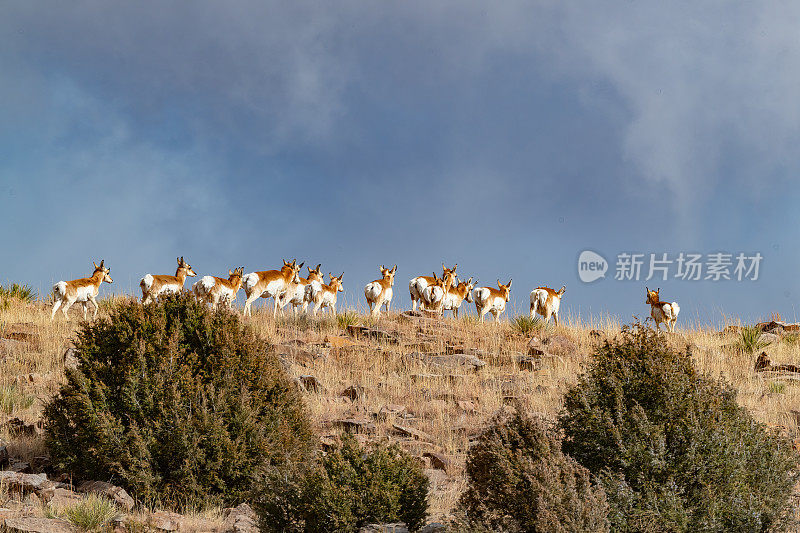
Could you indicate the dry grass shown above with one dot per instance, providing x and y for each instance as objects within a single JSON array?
[{"x": 449, "y": 405}]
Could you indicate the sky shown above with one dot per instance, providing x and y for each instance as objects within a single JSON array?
[{"x": 507, "y": 137}]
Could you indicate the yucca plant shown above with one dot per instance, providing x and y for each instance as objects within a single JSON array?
[
  {"x": 525, "y": 324},
  {"x": 13, "y": 399},
  {"x": 348, "y": 318},
  {"x": 750, "y": 340},
  {"x": 92, "y": 513},
  {"x": 15, "y": 291}
]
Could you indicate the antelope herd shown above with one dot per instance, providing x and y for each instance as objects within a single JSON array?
[{"x": 434, "y": 294}]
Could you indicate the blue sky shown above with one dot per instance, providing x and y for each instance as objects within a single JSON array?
[{"x": 507, "y": 137}]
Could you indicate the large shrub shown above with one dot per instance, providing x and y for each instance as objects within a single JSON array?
[
  {"x": 345, "y": 489},
  {"x": 176, "y": 403},
  {"x": 673, "y": 449},
  {"x": 520, "y": 481}
]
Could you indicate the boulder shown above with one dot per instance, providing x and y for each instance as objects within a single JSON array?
[
  {"x": 71, "y": 358},
  {"x": 33, "y": 524},
  {"x": 398, "y": 527},
  {"x": 354, "y": 392},
  {"x": 526, "y": 362},
  {"x": 165, "y": 521},
  {"x": 240, "y": 519},
  {"x": 450, "y": 361},
  {"x": 356, "y": 425},
  {"x": 438, "y": 460},
  {"x": 309, "y": 383},
  {"x": 18, "y": 482},
  {"x": 412, "y": 432},
  {"x": 112, "y": 492}
]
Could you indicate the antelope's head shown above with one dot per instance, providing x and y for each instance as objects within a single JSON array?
[
  {"x": 336, "y": 282},
  {"x": 561, "y": 291},
  {"x": 652, "y": 296},
  {"x": 236, "y": 274},
  {"x": 388, "y": 273},
  {"x": 186, "y": 267},
  {"x": 314, "y": 274},
  {"x": 292, "y": 270},
  {"x": 505, "y": 290},
  {"x": 101, "y": 268},
  {"x": 467, "y": 286}
]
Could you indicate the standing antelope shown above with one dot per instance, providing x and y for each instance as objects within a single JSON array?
[
  {"x": 433, "y": 295},
  {"x": 456, "y": 295},
  {"x": 212, "y": 289},
  {"x": 153, "y": 286},
  {"x": 326, "y": 296},
  {"x": 662, "y": 311},
  {"x": 379, "y": 292},
  {"x": 82, "y": 290},
  {"x": 491, "y": 300},
  {"x": 546, "y": 302},
  {"x": 302, "y": 292},
  {"x": 417, "y": 285},
  {"x": 270, "y": 284}
]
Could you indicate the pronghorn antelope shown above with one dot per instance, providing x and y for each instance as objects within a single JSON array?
[
  {"x": 662, "y": 311},
  {"x": 417, "y": 285},
  {"x": 152, "y": 286},
  {"x": 326, "y": 296},
  {"x": 546, "y": 302},
  {"x": 456, "y": 295},
  {"x": 270, "y": 284},
  {"x": 491, "y": 300},
  {"x": 379, "y": 292},
  {"x": 212, "y": 289},
  {"x": 302, "y": 292},
  {"x": 433, "y": 295},
  {"x": 82, "y": 290}
]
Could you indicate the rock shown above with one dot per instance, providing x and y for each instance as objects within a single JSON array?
[
  {"x": 9, "y": 346},
  {"x": 561, "y": 345},
  {"x": 328, "y": 442},
  {"x": 769, "y": 338},
  {"x": 412, "y": 314},
  {"x": 71, "y": 358},
  {"x": 354, "y": 392},
  {"x": 526, "y": 362},
  {"x": 535, "y": 348},
  {"x": 391, "y": 409},
  {"x": 61, "y": 497},
  {"x": 165, "y": 521},
  {"x": 240, "y": 519},
  {"x": 764, "y": 364},
  {"x": 398, "y": 527},
  {"x": 339, "y": 342},
  {"x": 114, "y": 493},
  {"x": 18, "y": 482},
  {"x": 433, "y": 527},
  {"x": 438, "y": 460},
  {"x": 466, "y": 406},
  {"x": 17, "y": 427},
  {"x": 452, "y": 361},
  {"x": 32, "y": 524},
  {"x": 309, "y": 383},
  {"x": 356, "y": 425},
  {"x": 21, "y": 467},
  {"x": 412, "y": 432},
  {"x": 3, "y": 455}
]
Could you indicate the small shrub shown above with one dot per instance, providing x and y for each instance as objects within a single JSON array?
[
  {"x": 91, "y": 513},
  {"x": 525, "y": 324},
  {"x": 15, "y": 291},
  {"x": 520, "y": 481},
  {"x": 344, "y": 490},
  {"x": 12, "y": 399},
  {"x": 176, "y": 403},
  {"x": 777, "y": 387},
  {"x": 672, "y": 447},
  {"x": 348, "y": 318},
  {"x": 750, "y": 340}
]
